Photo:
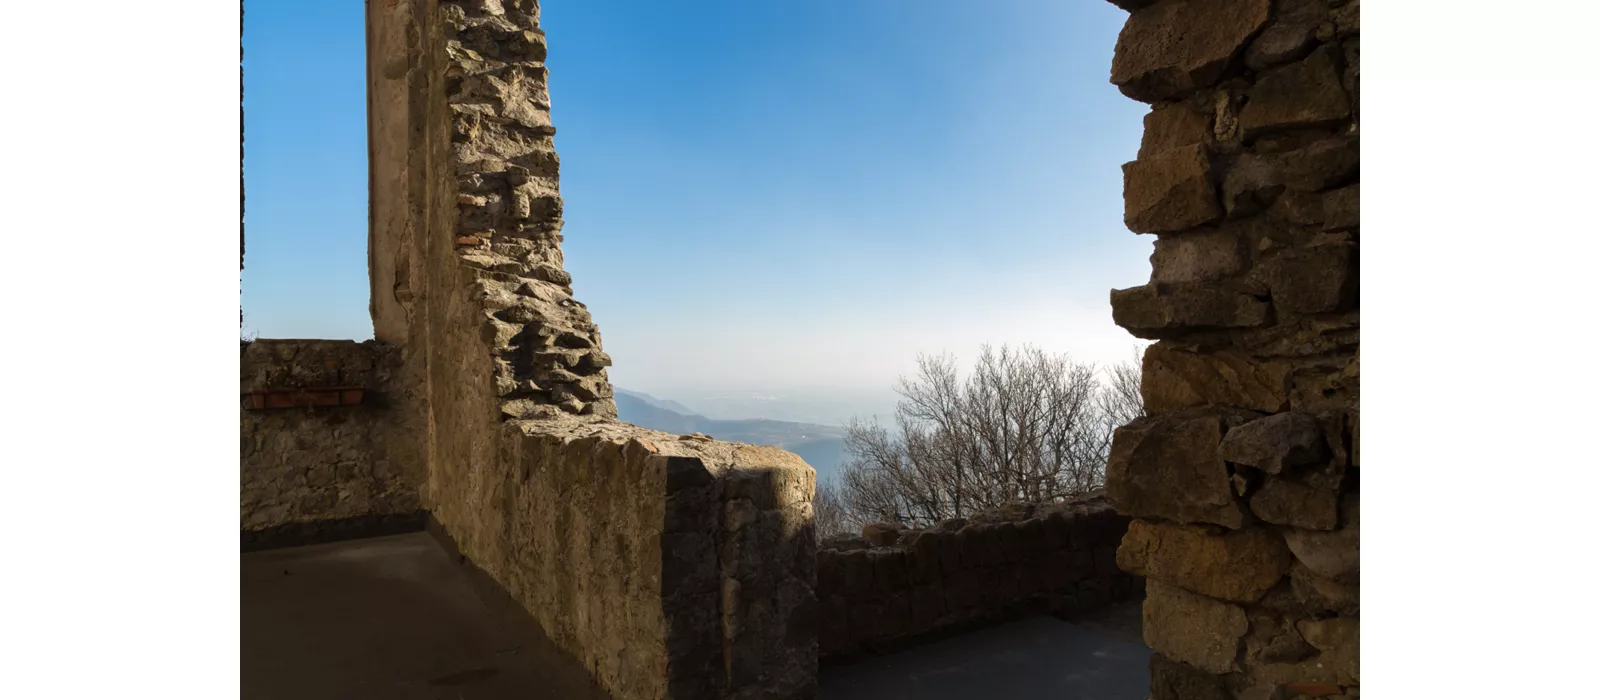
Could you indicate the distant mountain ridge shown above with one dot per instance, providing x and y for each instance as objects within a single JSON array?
[{"x": 821, "y": 446}]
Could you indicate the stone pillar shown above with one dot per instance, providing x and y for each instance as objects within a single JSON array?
[
  {"x": 668, "y": 566},
  {"x": 1243, "y": 479}
]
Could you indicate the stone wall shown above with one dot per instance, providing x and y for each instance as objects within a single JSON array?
[
  {"x": 670, "y": 568},
  {"x": 1244, "y": 476},
  {"x": 891, "y": 586},
  {"x": 310, "y": 473}
]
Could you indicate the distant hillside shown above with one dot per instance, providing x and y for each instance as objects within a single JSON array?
[
  {"x": 673, "y": 406},
  {"x": 821, "y": 446}
]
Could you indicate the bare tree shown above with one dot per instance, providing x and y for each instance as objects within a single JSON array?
[
  {"x": 1023, "y": 426},
  {"x": 828, "y": 512},
  {"x": 1121, "y": 401}
]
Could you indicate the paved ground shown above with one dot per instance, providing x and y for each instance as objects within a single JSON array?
[
  {"x": 397, "y": 618},
  {"x": 1095, "y": 658},
  {"x": 388, "y": 617}
]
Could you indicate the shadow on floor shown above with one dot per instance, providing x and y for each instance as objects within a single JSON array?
[
  {"x": 1039, "y": 657},
  {"x": 388, "y": 617}
]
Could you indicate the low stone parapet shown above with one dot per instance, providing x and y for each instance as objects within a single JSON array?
[
  {"x": 323, "y": 452},
  {"x": 893, "y": 586},
  {"x": 670, "y": 566}
]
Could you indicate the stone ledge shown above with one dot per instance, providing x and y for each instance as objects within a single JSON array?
[
  {"x": 299, "y": 534},
  {"x": 671, "y": 566}
]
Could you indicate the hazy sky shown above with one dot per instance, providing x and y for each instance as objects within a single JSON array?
[{"x": 759, "y": 195}]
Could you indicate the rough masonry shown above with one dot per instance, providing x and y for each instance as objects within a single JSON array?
[
  {"x": 894, "y": 586},
  {"x": 308, "y": 473},
  {"x": 1244, "y": 477},
  {"x": 669, "y": 566}
]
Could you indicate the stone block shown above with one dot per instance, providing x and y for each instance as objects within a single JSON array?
[
  {"x": 1291, "y": 35},
  {"x": 856, "y": 574},
  {"x": 880, "y": 534},
  {"x": 923, "y": 555},
  {"x": 865, "y": 619},
  {"x": 1167, "y": 467},
  {"x": 1188, "y": 627},
  {"x": 897, "y": 616},
  {"x": 1318, "y": 594},
  {"x": 979, "y": 546},
  {"x": 1173, "y": 48},
  {"x": 1274, "y": 639},
  {"x": 1169, "y": 191},
  {"x": 1287, "y": 501},
  {"x": 1173, "y": 126},
  {"x": 1336, "y": 663},
  {"x": 1240, "y": 565},
  {"x": 1175, "y": 379},
  {"x": 1200, "y": 256},
  {"x": 1314, "y": 280},
  {"x": 927, "y": 607},
  {"x": 1306, "y": 94},
  {"x": 889, "y": 572},
  {"x": 1276, "y": 442},
  {"x": 1335, "y": 554},
  {"x": 830, "y": 574},
  {"x": 1320, "y": 165},
  {"x": 1164, "y": 310},
  {"x": 1008, "y": 543},
  {"x": 1173, "y": 680},
  {"x": 1251, "y": 185},
  {"x": 1341, "y": 209}
]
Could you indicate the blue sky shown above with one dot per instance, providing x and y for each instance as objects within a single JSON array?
[{"x": 760, "y": 195}]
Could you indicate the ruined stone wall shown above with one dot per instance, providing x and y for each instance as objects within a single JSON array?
[
  {"x": 308, "y": 473},
  {"x": 669, "y": 568},
  {"x": 1244, "y": 476},
  {"x": 891, "y": 586}
]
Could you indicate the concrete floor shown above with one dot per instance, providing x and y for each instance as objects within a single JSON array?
[
  {"x": 398, "y": 618},
  {"x": 1097, "y": 657},
  {"x": 389, "y": 617}
]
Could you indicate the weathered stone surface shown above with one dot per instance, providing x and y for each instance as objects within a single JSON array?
[
  {"x": 1191, "y": 628},
  {"x": 880, "y": 534},
  {"x": 1175, "y": 379},
  {"x": 1172, "y": 680},
  {"x": 1276, "y": 442},
  {"x": 1341, "y": 209},
  {"x": 1167, "y": 467},
  {"x": 300, "y": 466},
  {"x": 1251, "y": 185},
  {"x": 1010, "y": 557},
  {"x": 1291, "y": 35},
  {"x": 1313, "y": 280},
  {"x": 1169, "y": 191},
  {"x": 1201, "y": 256},
  {"x": 1160, "y": 310},
  {"x": 1336, "y": 554},
  {"x": 1167, "y": 127},
  {"x": 1256, "y": 310},
  {"x": 1319, "y": 594},
  {"x": 1347, "y": 19},
  {"x": 1337, "y": 661},
  {"x": 1309, "y": 93},
  {"x": 843, "y": 543},
  {"x": 1175, "y": 47},
  {"x": 1292, "y": 502},
  {"x": 1320, "y": 165},
  {"x": 1274, "y": 639},
  {"x": 1239, "y": 566}
]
